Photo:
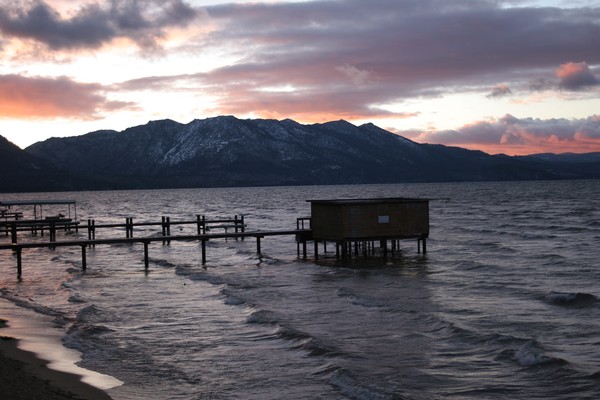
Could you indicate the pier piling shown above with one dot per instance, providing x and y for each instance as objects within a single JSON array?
[{"x": 83, "y": 258}]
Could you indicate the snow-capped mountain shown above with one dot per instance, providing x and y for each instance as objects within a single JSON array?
[{"x": 227, "y": 151}]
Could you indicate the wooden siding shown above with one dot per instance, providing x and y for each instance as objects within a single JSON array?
[{"x": 369, "y": 218}]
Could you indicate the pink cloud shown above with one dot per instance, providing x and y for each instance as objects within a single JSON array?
[
  {"x": 347, "y": 58},
  {"x": 576, "y": 76},
  {"x": 514, "y": 136},
  {"x": 39, "y": 97}
]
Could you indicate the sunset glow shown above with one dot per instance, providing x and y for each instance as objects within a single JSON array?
[{"x": 513, "y": 77}]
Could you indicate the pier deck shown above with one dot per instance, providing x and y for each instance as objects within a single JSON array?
[{"x": 17, "y": 248}]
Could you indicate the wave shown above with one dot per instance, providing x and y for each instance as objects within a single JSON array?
[
  {"x": 231, "y": 299},
  {"x": 313, "y": 346},
  {"x": 301, "y": 340},
  {"x": 163, "y": 263},
  {"x": 86, "y": 330},
  {"x": 531, "y": 354},
  {"x": 292, "y": 334},
  {"x": 360, "y": 301},
  {"x": 75, "y": 299},
  {"x": 351, "y": 387},
  {"x": 60, "y": 318},
  {"x": 201, "y": 276},
  {"x": 86, "y": 313},
  {"x": 262, "y": 317},
  {"x": 577, "y": 300}
]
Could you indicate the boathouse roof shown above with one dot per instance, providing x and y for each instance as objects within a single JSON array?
[{"x": 368, "y": 201}]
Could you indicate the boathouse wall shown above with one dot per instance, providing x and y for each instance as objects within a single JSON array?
[{"x": 338, "y": 220}]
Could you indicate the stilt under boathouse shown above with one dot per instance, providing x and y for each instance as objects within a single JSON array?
[{"x": 360, "y": 225}]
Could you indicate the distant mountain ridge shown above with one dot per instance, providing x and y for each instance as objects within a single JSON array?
[
  {"x": 227, "y": 151},
  {"x": 23, "y": 172}
]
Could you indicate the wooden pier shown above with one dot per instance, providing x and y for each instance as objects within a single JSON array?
[
  {"x": 355, "y": 227},
  {"x": 17, "y": 248}
]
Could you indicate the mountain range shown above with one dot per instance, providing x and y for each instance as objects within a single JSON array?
[{"x": 227, "y": 151}]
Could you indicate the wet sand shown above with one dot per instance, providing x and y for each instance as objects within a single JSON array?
[{"x": 23, "y": 376}]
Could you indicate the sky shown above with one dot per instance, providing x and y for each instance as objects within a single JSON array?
[{"x": 502, "y": 76}]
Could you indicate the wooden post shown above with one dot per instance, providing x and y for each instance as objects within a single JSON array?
[
  {"x": 52, "y": 230},
  {"x": 83, "y": 259},
  {"x": 258, "y": 246},
  {"x": 385, "y": 248},
  {"x": 166, "y": 228},
  {"x": 146, "y": 255},
  {"x": 13, "y": 232},
  {"x": 19, "y": 264},
  {"x": 316, "y": 250},
  {"x": 198, "y": 224},
  {"x": 204, "y": 224},
  {"x": 304, "y": 248},
  {"x": 129, "y": 227},
  {"x": 424, "y": 246},
  {"x": 203, "y": 251}
]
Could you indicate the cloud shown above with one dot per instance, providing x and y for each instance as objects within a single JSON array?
[
  {"x": 39, "y": 97},
  {"x": 514, "y": 136},
  {"x": 94, "y": 25},
  {"x": 576, "y": 76},
  {"x": 500, "y": 90},
  {"x": 384, "y": 52},
  {"x": 337, "y": 59},
  {"x": 357, "y": 76}
]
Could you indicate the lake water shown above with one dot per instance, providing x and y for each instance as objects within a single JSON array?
[{"x": 505, "y": 304}]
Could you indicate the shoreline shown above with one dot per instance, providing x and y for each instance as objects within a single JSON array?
[{"x": 25, "y": 376}]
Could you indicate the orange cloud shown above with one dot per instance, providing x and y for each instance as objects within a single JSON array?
[{"x": 39, "y": 97}]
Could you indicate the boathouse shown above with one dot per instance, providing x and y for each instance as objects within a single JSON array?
[{"x": 357, "y": 221}]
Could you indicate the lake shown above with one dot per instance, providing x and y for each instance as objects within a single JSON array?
[{"x": 505, "y": 304}]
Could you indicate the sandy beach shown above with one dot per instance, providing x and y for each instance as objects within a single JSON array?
[{"x": 23, "y": 376}]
